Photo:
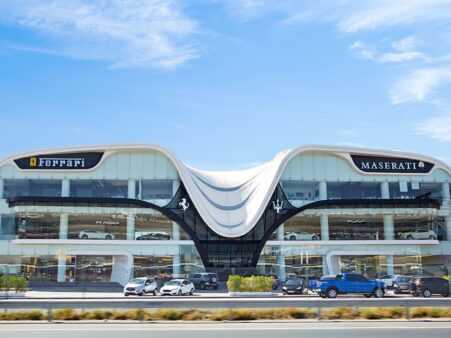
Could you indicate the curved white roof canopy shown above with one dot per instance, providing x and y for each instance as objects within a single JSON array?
[{"x": 231, "y": 202}]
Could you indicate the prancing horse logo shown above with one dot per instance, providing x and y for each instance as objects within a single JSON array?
[
  {"x": 277, "y": 206},
  {"x": 184, "y": 204}
]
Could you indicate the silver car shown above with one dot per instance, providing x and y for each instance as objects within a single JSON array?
[{"x": 141, "y": 286}]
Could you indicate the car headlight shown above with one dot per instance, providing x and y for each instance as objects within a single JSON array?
[{"x": 395, "y": 285}]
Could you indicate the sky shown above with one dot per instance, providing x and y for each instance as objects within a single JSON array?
[{"x": 226, "y": 84}]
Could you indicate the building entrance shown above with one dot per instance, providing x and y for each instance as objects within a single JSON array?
[{"x": 93, "y": 268}]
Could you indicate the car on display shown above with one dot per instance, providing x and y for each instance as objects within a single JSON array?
[
  {"x": 154, "y": 236},
  {"x": 428, "y": 286},
  {"x": 293, "y": 286},
  {"x": 418, "y": 234},
  {"x": 389, "y": 280},
  {"x": 205, "y": 280},
  {"x": 95, "y": 234},
  {"x": 177, "y": 287},
  {"x": 402, "y": 284},
  {"x": 301, "y": 236},
  {"x": 348, "y": 283},
  {"x": 140, "y": 286}
]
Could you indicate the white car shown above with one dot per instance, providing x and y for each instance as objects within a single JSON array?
[
  {"x": 388, "y": 279},
  {"x": 177, "y": 287},
  {"x": 94, "y": 234},
  {"x": 418, "y": 234},
  {"x": 301, "y": 236},
  {"x": 141, "y": 286}
]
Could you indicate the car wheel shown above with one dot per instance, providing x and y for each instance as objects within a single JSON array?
[
  {"x": 426, "y": 293},
  {"x": 445, "y": 294},
  {"x": 322, "y": 295},
  {"x": 415, "y": 294},
  {"x": 292, "y": 238},
  {"x": 213, "y": 279},
  {"x": 315, "y": 238},
  {"x": 202, "y": 286},
  {"x": 284, "y": 293},
  {"x": 108, "y": 237},
  {"x": 179, "y": 293},
  {"x": 141, "y": 293},
  {"x": 378, "y": 293},
  {"x": 368, "y": 295},
  {"x": 191, "y": 292},
  {"x": 332, "y": 293},
  {"x": 154, "y": 292},
  {"x": 126, "y": 294},
  {"x": 432, "y": 237},
  {"x": 409, "y": 237},
  {"x": 84, "y": 236}
]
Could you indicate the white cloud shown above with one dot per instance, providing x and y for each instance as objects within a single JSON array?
[
  {"x": 140, "y": 33},
  {"x": 400, "y": 57},
  {"x": 405, "y": 44},
  {"x": 418, "y": 85},
  {"x": 438, "y": 128}
]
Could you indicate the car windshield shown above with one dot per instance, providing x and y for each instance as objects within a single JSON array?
[
  {"x": 328, "y": 278},
  {"x": 403, "y": 279},
  {"x": 293, "y": 282},
  {"x": 137, "y": 281},
  {"x": 173, "y": 282}
]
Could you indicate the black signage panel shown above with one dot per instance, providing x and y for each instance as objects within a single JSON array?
[
  {"x": 377, "y": 164},
  {"x": 69, "y": 161}
]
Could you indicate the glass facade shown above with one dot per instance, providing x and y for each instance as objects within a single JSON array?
[
  {"x": 300, "y": 228},
  {"x": 154, "y": 189},
  {"x": 301, "y": 190},
  {"x": 99, "y": 188},
  {"x": 353, "y": 190},
  {"x": 356, "y": 227},
  {"x": 419, "y": 227},
  {"x": 37, "y": 225},
  {"x": 406, "y": 190},
  {"x": 28, "y": 187}
]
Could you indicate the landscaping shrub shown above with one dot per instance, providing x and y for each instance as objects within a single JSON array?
[
  {"x": 249, "y": 284},
  {"x": 13, "y": 283},
  {"x": 65, "y": 314},
  {"x": 341, "y": 313}
]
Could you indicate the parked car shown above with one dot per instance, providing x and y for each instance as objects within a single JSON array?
[
  {"x": 301, "y": 236},
  {"x": 205, "y": 280},
  {"x": 141, "y": 286},
  {"x": 293, "y": 286},
  {"x": 388, "y": 280},
  {"x": 177, "y": 287},
  {"x": 94, "y": 234},
  {"x": 418, "y": 234},
  {"x": 349, "y": 283},
  {"x": 428, "y": 286},
  {"x": 275, "y": 282},
  {"x": 402, "y": 284},
  {"x": 154, "y": 236}
]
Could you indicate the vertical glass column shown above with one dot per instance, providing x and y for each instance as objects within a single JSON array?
[
  {"x": 390, "y": 265},
  {"x": 281, "y": 270},
  {"x": 322, "y": 190},
  {"x": 65, "y": 188},
  {"x": 324, "y": 220},
  {"x": 1, "y": 188},
  {"x": 445, "y": 191},
  {"x": 131, "y": 189},
  {"x": 176, "y": 236},
  {"x": 448, "y": 228},
  {"x": 64, "y": 225},
  {"x": 389, "y": 231},
  {"x": 61, "y": 277},
  {"x": 385, "y": 190},
  {"x": 130, "y": 227}
]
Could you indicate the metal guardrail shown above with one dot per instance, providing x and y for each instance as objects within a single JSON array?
[{"x": 220, "y": 303}]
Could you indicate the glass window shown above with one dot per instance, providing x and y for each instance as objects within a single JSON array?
[
  {"x": 368, "y": 266},
  {"x": 7, "y": 226},
  {"x": 37, "y": 225},
  {"x": 25, "y": 187},
  {"x": 97, "y": 226},
  {"x": 300, "y": 228},
  {"x": 353, "y": 190},
  {"x": 419, "y": 227},
  {"x": 415, "y": 189},
  {"x": 349, "y": 227},
  {"x": 157, "y": 227},
  {"x": 40, "y": 268},
  {"x": 301, "y": 190},
  {"x": 154, "y": 189},
  {"x": 99, "y": 188}
]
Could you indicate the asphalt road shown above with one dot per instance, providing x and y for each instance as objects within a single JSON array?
[{"x": 393, "y": 329}]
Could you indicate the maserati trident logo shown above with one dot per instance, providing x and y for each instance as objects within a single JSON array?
[
  {"x": 184, "y": 204},
  {"x": 277, "y": 206}
]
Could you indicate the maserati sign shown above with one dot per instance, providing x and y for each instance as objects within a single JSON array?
[
  {"x": 373, "y": 164},
  {"x": 60, "y": 161}
]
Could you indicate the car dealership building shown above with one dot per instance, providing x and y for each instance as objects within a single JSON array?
[{"x": 110, "y": 213}]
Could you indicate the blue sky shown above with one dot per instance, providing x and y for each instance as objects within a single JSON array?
[{"x": 226, "y": 84}]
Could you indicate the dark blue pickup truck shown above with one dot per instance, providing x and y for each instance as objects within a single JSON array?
[{"x": 331, "y": 286}]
